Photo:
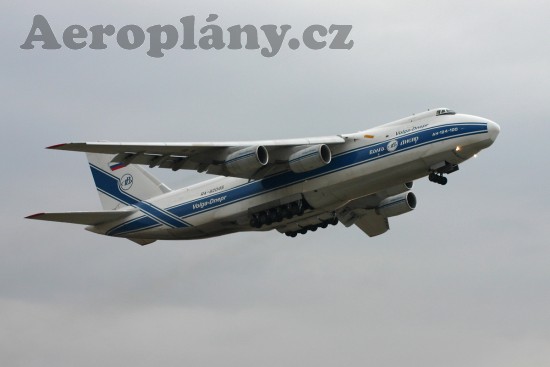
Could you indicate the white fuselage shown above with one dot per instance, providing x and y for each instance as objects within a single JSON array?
[{"x": 368, "y": 162}]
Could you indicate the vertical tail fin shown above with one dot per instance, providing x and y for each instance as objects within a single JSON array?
[{"x": 120, "y": 185}]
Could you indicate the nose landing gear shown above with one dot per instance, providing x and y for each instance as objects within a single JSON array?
[
  {"x": 438, "y": 178},
  {"x": 437, "y": 171}
]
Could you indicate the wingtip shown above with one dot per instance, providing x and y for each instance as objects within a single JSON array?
[
  {"x": 56, "y": 146},
  {"x": 34, "y": 216}
]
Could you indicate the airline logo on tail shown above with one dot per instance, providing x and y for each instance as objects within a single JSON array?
[{"x": 126, "y": 181}]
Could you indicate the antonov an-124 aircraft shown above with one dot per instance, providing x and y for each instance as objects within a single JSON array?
[{"x": 293, "y": 186}]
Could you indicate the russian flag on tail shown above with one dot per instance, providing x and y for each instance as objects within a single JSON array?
[{"x": 116, "y": 165}]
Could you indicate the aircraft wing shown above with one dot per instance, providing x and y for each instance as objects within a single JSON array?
[{"x": 252, "y": 159}]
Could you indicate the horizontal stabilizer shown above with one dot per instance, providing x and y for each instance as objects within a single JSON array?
[{"x": 87, "y": 218}]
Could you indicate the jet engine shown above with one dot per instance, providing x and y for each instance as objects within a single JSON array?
[
  {"x": 310, "y": 158},
  {"x": 396, "y": 205},
  {"x": 246, "y": 161}
]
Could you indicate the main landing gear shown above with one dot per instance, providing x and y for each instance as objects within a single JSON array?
[
  {"x": 277, "y": 214},
  {"x": 324, "y": 224}
]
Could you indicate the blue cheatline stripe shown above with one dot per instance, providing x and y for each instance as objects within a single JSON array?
[
  {"x": 165, "y": 217},
  {"x": 109, "y": 185},
  {"x": 138, "y": 224},
  {"x": 344, "y": 160},
  {"x": 482, "y": 126}
]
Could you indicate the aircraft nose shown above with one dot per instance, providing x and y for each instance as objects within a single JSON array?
[{"x": 493, "y": 129}]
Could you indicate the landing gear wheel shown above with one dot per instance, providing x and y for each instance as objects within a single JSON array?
[
  {"x": 272, "y": 215},
  {"x": 438, "y": 178},
  {"x": 255, "y": 222},
  {"x": 301, "y": 208},
  {"x": 285, "y": 213},
  {"x": 294, "y": 208},
  {"x": 262, "y": 218}
]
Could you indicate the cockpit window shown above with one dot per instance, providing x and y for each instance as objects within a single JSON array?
[{"x": 445, "y": 111}]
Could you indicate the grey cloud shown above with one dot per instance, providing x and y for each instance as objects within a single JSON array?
[{"x": 460, "y": 281}]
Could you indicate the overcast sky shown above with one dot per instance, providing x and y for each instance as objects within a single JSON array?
[{"x": 464, "y": 280}]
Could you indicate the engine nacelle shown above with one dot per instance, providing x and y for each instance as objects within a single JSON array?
[
  {"x": 397, "y": 205},
  {"x": 394, "y": 190},
  {"x": 246, "y": 161},
  {"x": 310, "y": 158}
]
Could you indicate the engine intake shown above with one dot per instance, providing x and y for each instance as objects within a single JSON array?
[
  {"x": 310, "y": 158},
  {"x": 246, "y": 161},
  {"x": 397, "y": 205}
]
